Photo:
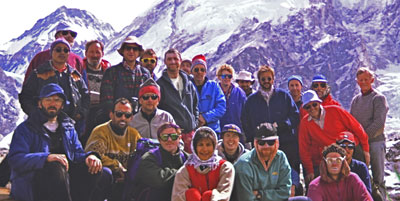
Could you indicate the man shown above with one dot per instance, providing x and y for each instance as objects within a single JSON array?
[
  {"x": 264, "y": 172},
  {"x": 347, "y": 142},
  {"x": 370, "y": 108},
  {"x": 229, "y": 147},
  {"x": 115, "y": 141},
  {"x": 245, "y": 81},
  {"x": 149, "y": 118},
  {"x": 94, "y": 67},
  {"x": 274, "y": 106},
  {"x": 320, "y": 86},
  {"x": 295, "y": 85},
  {"x": 73, "y": 59},
  {"x": 321, "y": 127},
  {"x": 180, "y": 98},
  {"x": 186, "y": 66},
  {"x": 57, "y": 70},
  {"x": 124, "y": 79},
  {"x": 46, "y": 158},
  {"x": 212, "y": 102},
  {"x": 149, "y": 61}
]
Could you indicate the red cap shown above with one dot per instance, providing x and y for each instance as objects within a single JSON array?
[{"x": 346, "y": 136}]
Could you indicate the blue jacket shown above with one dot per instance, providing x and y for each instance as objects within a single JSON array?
[
  {"x": 234, "y": 104},
  {"x": 361, "y": 170},
  {"x": 281, "y": 109},
  {"x": 212, "y": 104},
  {"x": 30, "y": 147}
]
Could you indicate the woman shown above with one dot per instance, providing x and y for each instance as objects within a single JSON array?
[{"x": 205, "y": 176}]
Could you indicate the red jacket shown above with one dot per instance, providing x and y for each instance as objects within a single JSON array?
[
  {"x": 204, "y": 182},
  {"x": 312, "y": 139},
  {"x": 328, "y": 100}
]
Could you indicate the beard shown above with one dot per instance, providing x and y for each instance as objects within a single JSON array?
[
  {"x": 50, "y": 114},
  {"x": 94, "y": 62}
]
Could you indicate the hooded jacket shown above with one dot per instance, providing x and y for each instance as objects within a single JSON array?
[{"x": 220, "y": 149}]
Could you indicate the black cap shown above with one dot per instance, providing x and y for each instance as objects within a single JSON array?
[{"x": 266, "y": 131}]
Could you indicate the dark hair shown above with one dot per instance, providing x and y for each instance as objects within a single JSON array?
[
  {"x": 187, "y": 61},
  {"x": 150, "y": 52},
  {"x": 333, "y": 148},
  {"x": 173, "y": 51},
  {"x": 123, "y": 101},
  {"x": 168, "y": 125},
  {"x": 204, "y": 133},
  {"x": 88, "y": 44},
  {"x": 265, "y": 69}
]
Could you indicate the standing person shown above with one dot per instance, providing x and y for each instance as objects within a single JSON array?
[
  {"x": 149, "y": 118},
  {"x": 235, "y": 96},
  {"x": 149, "y": 60},
  {"x": 295, "y": 86},
  {"x": 124, "y": 79},
  {"x": 186, "y": 66},
  {"x": 212, "y": 103},
  {"x": 229, "y": 147},
  {"x": 57, "y": 70},
  {"x": 46, "y": 158},
  {"x": 180, "y": 98},
  {"x": 73, "y": 60},
  {"x": 370, "y": 108},
  {"x": 205, "y": 176},
  {"x": 320, "y": 86},
  {"x": 336, "y": 181},
  {"x": 245, "y": 81}
]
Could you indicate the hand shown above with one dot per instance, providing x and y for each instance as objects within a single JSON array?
[
  {"x": 94, "y": 164},
  {"x": 309, "y": 178},
  {"x": 120, "y": 174},
  {"x": 61, "y": 158},
  {"x": 367, "y": 158},
  {"x": 202, "y": 121}
]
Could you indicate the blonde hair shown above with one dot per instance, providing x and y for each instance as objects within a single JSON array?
[
  {"x": 265, "y": 69},
  {"x": 226, "y": 67}
]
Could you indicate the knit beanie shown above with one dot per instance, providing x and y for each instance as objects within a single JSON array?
[
  {"x": 57, "y": 41},
  {"x": 295, "y": 77},
  {"x": 149, "y": 86},
  {"x": 199, "y": 59}
]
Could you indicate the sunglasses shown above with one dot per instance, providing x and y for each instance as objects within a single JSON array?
[
  {"x": 199, "y": 69},
  {"x": 174, "y": 136},
  {"x": 119, "y": 114},
  {"x": 322, "y": 85},
  {"x": 307, "y": 107},
  {"x": 349, "y": 146},
  {"x": 153, "y": 97},
  {"x": 147, "y": 60},
  {"x": 269, "y": 142},
  {"x": 134, "y": 48},
  {"x": 223, "y": 76},
  {"x": 266, "y": 78},
  {"x": 72, "y": 33},
  {"x": 59, "y": 49},
  {"x": 330, "y": 160}
]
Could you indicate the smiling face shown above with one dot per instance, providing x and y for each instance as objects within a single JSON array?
[
  {"x": 199, "y": 72},
  {"x": 231, "y": 141},
  {"x": 170, "y": 145},
  {"x": 266, "y": 80},
  {"x": 172, "y": 61},
  {"x": 313, "y": 108},
  {"x": 148, "y": 105},
  {"x": 131, "y": 52},
  {"x": 205, "y": 148},
  {"x": 364, "y": 81},
  {"x": 225, "y": 78},
  {"x": 94, "y": 54},
  {"x": 60, "y": 53},
  {"x": 295, "y": 88},
  {"x": 121, "y": 121}
]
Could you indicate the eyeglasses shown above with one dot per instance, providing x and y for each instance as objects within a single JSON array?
[
  {"x": 330, "y": 160},
  {"x": 153, "y": 97},
  {"x": 53, "y": 99},
  {"x": 269, "y": 142},
  {"x": 307, "y": 107},
  {"x": 151, "y": 60},
  {"x": 322, "y": 85},
  {"x": 199, "y": 69},
  {"x": 223, "y": 76},
  {"x": 134, "y": 48},
  {"x": 120, "y": 113},
  {"x": 174, "y": 136},
  {"x": 66, "y": 32},
  {"x": 266, "y": 78},
  {"x": 59, "y": 49},
  {"x": 349, "y": 146}
]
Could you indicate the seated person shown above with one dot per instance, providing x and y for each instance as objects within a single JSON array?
[{"x": 230, "y": 148}]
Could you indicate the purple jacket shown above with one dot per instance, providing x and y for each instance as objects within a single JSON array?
[{"x": 234, "y": 104}]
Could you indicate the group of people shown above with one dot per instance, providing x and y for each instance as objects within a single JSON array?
[{"x": 218, "y": 140}]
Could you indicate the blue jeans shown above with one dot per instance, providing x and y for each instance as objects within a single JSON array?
[{"x": 377, "y": 150}]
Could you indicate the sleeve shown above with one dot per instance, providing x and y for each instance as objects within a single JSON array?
[
  {"x": 85, "y": 98},
  {"x": 195, "y": 105},
  {"x": 314, "y": 193},
  {"x": 244, "y": 181},
  {"x": 364, "y": 176},
  {"x": 181, "y": 184},
  {"x": 359, "y": 190},
  {"x": 28, "y": 94},
  {"x": 219, "y": 107},
  {"x": 79, "y": 153},
  {"x": 293, "y": 116},
  {"x": 304, "y": 146},
  {"x": 352, "y": 125},
  {"x": 225, "y": 183},
  {"x": 380, "y": 111},
  {"x": 107, "y": 90}
]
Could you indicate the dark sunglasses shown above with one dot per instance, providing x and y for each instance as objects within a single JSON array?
[
  {"x": 223, "y": 76},
  {"x": 153, "y": 97},
  {"x": 265, "y": 79},
  {"x": 119, "y": 114},
  {"x": 349, "y": 146},
  {"x": 269, "y": 142},
  {"x": 199, "y": 69},
  {"x": 174, "y": 136},
  {"x": 59, "y": 49},
  {"x": 307, "y": 107},
  {"x": 322, "y": 85},
  {"x": 72, "y": 33},
  {"x": 151, "y": 60},
  {"x": 134, "y": 48}
]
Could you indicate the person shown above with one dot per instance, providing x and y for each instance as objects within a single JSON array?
[
  {"x": 73, "y": 60},
  {"x": 370, "y": 108},
  {"x": 149, "y": 118},
  {"x": 205, "y": 176},
  {"x": 47, "y": 160},
  {"x": 57, "y": 70},
  {"x": 124, "y": 79},
  {"x": 320, "y": 86},
  {"x": 157, "y": 177},
  {"x": 347, "y": 142},
  {"x": 94, "y": 67},
  {"x": 212, "y": 102},
  {"x": 235, "y": 97},
  {"x": 115, "y": 141},
  {"x": 186, "y": 66},
  {"x": 321, "y": 127},
  {"x": 180, "y": 98},
  {"x": 336, "y": 182},
  {"x": 229, "y": 147},
  {"x": 245, "y": 81},
  {"x": 295, "y": 86},
  {"x": 149, "y": 61}
]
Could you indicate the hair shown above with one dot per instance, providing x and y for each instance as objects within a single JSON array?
[
  {"x": 365, "y": 70},
  {"x": 168, "y": 125},
  {"x": 226, "y": 67},
  {"x": 173, "y": 51},
  {"x": 88, "y": 44},
  {"x": 150, "y": 52},
  {"x": 123, "y": 101},
  {"x": 203, "y": 134},
  {"x": 333, "y": 148},
  {"x": 265, "y": 69}
]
